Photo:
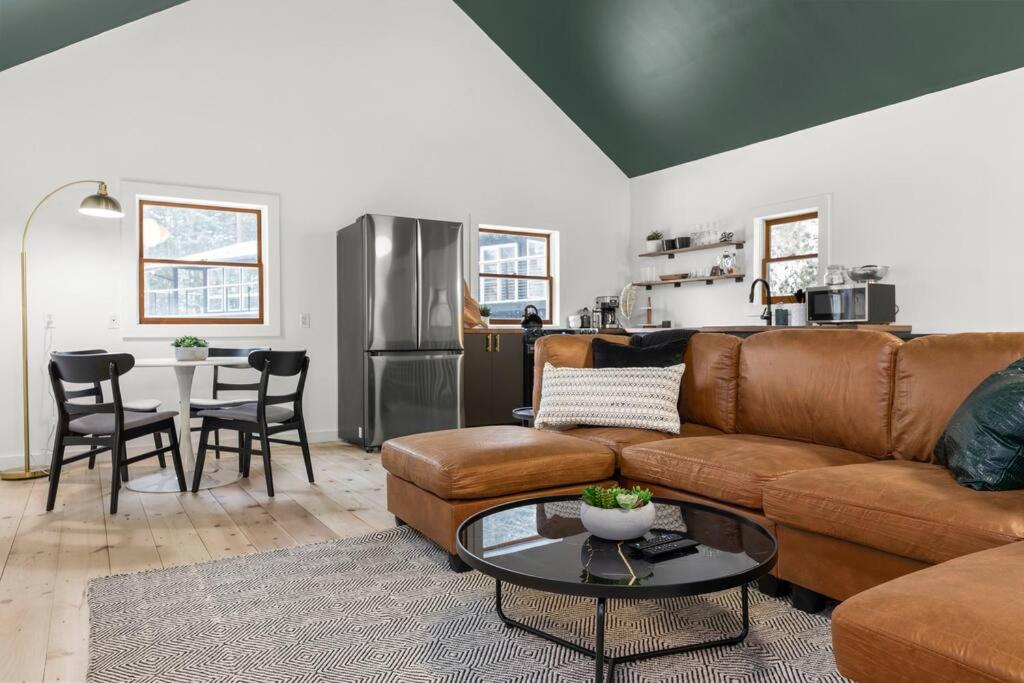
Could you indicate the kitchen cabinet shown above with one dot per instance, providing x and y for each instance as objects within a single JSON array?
[{"x": 492, "y": 377}]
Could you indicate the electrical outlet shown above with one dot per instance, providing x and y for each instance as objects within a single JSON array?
[
  {"x": 113, "y": 321},
  {"x": 50, "y": 321},
  {"x": 304, "y": 319}
]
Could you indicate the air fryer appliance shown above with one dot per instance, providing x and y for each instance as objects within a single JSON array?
[
  {"x": 604, "y": 311},
  {"x": 399, "y": 328}
]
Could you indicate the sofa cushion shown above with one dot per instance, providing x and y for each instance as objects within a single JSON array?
[
  {"x": 565, "y": 351},
  {"x": 611, "y": 355},
  {"x": 708, "y": 394},
  {"x": 912, "y": 509},
  {"x": 617, "y": 438},
  {"x": 832, "y": 387},
  {"x": 959, "y": 621},
  {"x": 482, "y": 462},
  {"x": 934, "y": 375},
  {"x": 732, "y": 468}
]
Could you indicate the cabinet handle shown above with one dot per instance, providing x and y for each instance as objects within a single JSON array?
[
  {"x": 497, "y": 343},
  {"x": 488, "y": 342}
]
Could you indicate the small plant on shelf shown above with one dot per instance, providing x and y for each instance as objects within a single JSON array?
[
  {"x": 485, "y": 314},
  {"x": 654, "y": 238},
  {"x": 190, "y": 348}
]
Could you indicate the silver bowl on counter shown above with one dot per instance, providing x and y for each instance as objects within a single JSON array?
[{"x": 867, "y": 273}]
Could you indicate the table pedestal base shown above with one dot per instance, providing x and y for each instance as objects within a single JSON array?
[
  {"x": 164, "y": 481},
  {"x": 600, "y": 660}
]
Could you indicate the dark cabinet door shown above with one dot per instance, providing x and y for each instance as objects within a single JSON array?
[
  {"x": 506, "y": 377},
  {"x": 476, "y": 379}
]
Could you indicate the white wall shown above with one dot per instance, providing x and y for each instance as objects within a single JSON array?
[
  {"x": 339, "y": 106},
  {"x": 931, "y": 187}
]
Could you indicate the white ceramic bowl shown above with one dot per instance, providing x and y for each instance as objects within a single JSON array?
[
  {"x": 617, "y": 524},
  {"x": 191, "y": 352}
]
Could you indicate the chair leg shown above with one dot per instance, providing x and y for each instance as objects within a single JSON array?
[
  {"x": 158, "y": 441},
  {"x": 265, "y": 447},
  {"x": 216, "y": 443},
  {"x": 247, "y": 455},
  {"x": 241, "y": 455},
  {"x": 179, "y": 469},
  {"x": 55, "y": 464},
  {"x": 204, "y": 438},
  {"x": 305, "y": 450},
  {"x": 124, "y": 472},
  {"x": 92, "y": 461},
  {"x": 116, "y": 457}
]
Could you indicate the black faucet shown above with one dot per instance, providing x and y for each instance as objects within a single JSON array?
[{"x": 767, "y": 314}]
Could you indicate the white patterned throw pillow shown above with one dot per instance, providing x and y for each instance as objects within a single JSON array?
[{"x": 641, "y": 398}]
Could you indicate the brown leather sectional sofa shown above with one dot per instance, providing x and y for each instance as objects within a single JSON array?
[{"x": 825, "y": 437}]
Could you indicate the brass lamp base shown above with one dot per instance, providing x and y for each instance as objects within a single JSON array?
[{"x": 21, "y": 474}]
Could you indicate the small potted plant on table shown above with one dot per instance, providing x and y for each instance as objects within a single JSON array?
[
  {"x": 654, "y": 238},
  {"x": 190, "y": 348},
  {"x": 485, "y": 315},
  {"x": 615, "y": 513}
]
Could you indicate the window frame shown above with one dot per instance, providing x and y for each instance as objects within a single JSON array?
[
  {"x": 766, "y": 254},
  {"x": 259, "y": 265},
  {"x": 547, "y": 268}
]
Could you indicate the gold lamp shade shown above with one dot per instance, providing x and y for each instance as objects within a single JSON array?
[{"x": 101, "y": 204}]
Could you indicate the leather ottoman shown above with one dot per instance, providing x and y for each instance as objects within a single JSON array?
[{"x": 438, "y": 479}]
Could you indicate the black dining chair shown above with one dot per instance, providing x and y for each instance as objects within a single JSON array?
[
  {"x": 263, "y": 418},
  {"x": 216, "y": 402},
  {"x": 103, "y": 426},
  {"x": 139, "y": 405}
]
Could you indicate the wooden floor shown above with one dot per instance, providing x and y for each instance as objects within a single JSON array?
[{"x": 48, "y": 558}]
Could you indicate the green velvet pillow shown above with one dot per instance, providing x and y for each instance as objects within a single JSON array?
[{"x": 983, "y": 444}]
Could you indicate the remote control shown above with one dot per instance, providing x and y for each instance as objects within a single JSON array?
[
  {"x": 670, "y": 548},
  {"x": 656, "y": 540}
]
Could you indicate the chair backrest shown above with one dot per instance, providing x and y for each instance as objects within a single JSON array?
[
  {"x": 96, "y": 389},
  {"x": 280, "y": 364},
  {"x": 242, "y": 355},
  {"x": 88, "y": 368}
]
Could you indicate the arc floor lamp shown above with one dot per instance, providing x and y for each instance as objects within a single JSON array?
[{"x": 100, "y": 204}]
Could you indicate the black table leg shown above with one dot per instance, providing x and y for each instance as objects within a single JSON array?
[{"x": 598, "y": 652}]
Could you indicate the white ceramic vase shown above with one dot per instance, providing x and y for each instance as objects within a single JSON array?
[
  {"x": 653, "y": 245},
  {"x": 191, "y": 352},
  {"x": 617, "y": 524}
]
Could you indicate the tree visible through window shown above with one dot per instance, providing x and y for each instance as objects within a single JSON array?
[
  {"x": 199, "y": 264},
  {"x": 790, "y": 259},
  {"x": 515, "y": 271}
]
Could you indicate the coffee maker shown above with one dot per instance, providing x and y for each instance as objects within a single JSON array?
[{"x": 604, "y": 312}]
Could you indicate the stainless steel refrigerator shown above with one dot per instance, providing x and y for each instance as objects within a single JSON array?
[{"x": 399, "y": 328}]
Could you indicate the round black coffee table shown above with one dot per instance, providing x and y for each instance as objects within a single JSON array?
[{"x": 541, "y": 544}]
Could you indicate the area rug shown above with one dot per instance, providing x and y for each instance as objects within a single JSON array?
[{"x": 386, "y": 607}]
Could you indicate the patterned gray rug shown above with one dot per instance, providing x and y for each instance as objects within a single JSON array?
[{"x": 385, "y": 607}]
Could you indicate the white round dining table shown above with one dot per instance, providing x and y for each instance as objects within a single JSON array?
[{"x": 165, "y": 481}]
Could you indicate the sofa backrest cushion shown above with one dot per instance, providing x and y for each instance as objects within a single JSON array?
[
  {"x": 934, "y": 375},
  {"x": 565, "y": 351},
  {"x": 832, "y": 387},
  {"x": 708, "y": 394}
]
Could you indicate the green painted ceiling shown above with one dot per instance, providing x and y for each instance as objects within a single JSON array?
[
  {"x": 32, "y": 28},
  {"x": 656, "y": 83}
]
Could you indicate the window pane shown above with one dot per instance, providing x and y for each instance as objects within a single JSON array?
[
  {"x": 793, "y": 239},
  {"x": 507, "y": 297},
  {"x": 513, "y": 254},
  {"x": 199, "y": 234},
  {"x": 198, "y": 292},
  {"x": 785, "y": 277}
]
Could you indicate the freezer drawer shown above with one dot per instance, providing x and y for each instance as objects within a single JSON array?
[{"x": 409, "y": 393}]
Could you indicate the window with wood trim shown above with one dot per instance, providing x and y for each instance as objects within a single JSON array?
[
  {"x": 515, "y": 271},
  {"x": 200, "y": 264},
  {"x": 790, "y": 259}
]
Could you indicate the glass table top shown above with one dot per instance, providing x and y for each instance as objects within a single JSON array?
[{"x": 541, "y": 543}]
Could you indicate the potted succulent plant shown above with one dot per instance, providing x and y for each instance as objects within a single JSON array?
[
  {"x": 190, "y": 348},
  {"x": 654, "y": 238},
  {"x": 485, "y": 315},
  {"x": 615, "y": 513}
]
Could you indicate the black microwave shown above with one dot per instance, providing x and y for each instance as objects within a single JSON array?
[{"x": 866, "y": 302}]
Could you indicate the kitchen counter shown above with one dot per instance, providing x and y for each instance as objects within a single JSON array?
[
  {"x": 493, "y": 330},
  {"x": 904, "y": 329}
]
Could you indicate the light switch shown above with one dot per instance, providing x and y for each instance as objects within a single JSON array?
[{"x": 304, "y": 319}]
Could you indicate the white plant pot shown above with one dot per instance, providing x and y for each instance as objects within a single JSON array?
[
  {"x": 617, "y": 524},
  {"x": 653, "y": 245},
  {"x": 191, "y": 352},
  {"x": 486, "y": 320}
]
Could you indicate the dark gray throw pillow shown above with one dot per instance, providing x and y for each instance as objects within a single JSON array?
[
  {"x": 983, "y": 444},
  {"x": 611, "y": 355}
]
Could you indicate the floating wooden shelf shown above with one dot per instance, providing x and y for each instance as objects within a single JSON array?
[
  {"x": 671, "y": 253},
  {"x": 738, "y": 277}
]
